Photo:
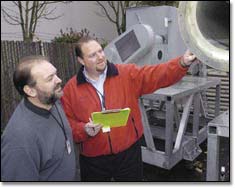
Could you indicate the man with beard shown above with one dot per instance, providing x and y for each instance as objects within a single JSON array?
[
  {"x": 113, "y": 154},
  {"x": 37, "y": 143}
]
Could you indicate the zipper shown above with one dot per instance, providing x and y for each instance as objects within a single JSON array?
[
  {"x": 109, "y": 138},
  {"x": 81, "y": 147},
  {"x": 110, "y": 144},
  {"x": 133, "y": 121}
]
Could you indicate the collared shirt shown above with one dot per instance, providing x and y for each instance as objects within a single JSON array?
[{"x": 98, "y": 85}]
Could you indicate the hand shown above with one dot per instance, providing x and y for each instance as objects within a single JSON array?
[
  {"x": 187, "y": 59},
  {"x": 91, "y": 128}
]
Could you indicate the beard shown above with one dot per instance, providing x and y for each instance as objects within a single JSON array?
[
  {"x": 50, "y": 98},
  {"x": 101, "y": 68}
]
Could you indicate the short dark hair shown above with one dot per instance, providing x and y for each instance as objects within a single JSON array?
[
  {"x": 22, "y": 74},
  {"x": 78, "y": 46}
]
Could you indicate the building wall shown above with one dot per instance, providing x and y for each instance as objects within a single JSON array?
[{"x": 76, "y": 15}]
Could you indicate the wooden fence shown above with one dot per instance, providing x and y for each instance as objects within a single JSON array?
[
  {"x": 62, "y": 56},
  {"x": 224, "y": 91}
]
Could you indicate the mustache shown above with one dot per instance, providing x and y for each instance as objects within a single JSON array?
[{"x": 57, "y": 86}]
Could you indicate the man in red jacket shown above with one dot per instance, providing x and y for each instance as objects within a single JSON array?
[{"x": 101, "y": 85}]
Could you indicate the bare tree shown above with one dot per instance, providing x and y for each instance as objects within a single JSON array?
[
  {"x": 115, "y": 11},
  {"x": 27, "y": 14}
]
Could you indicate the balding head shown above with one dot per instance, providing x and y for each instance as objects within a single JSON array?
[{"x": 22, "y": 75}]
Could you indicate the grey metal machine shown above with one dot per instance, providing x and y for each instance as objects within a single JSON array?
[
  {"x": 153, "y": 36},
  {"x": 217, "y": 128},
  {"x": 205, "y": 29}
]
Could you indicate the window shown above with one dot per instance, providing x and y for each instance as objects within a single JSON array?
[{"x": 127, "y": 45}]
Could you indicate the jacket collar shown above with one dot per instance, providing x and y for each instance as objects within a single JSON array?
[
  {"x": 111, "y": 71},
  {"x": 40, "y": 111}
]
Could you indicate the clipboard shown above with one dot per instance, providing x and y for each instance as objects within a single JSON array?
[{"x": 111, "y": 118}]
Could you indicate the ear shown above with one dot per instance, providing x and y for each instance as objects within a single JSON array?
[
  {"x": 80, "y": 60},
  {"x": 30, "y": 91}
]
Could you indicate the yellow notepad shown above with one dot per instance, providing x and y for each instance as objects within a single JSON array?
[{"x": 111, "y": 118}]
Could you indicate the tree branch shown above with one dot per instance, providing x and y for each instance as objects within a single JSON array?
[
  {"x": 9, "y": 17},
  {"x": 21, "y": 19},
  {"x": 106, "y": 12}
]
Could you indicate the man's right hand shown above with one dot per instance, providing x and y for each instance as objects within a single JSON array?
[
  {"x": 187, "y": 59},
  {"x": 92, "y": 129}
]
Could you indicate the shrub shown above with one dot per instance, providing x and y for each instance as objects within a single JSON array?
[{"x": 72, "y": 36}]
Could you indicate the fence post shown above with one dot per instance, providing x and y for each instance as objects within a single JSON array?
[{"x": 41, "y": 48}]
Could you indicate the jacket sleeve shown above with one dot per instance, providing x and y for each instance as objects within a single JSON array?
[
  {"x": 77, "y": 126},
  {"x": 149, "y": 78}
]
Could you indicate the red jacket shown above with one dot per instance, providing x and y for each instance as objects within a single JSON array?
[{"x": 123, "y": 86}]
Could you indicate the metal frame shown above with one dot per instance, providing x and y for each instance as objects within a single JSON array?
[
  {"x": 216, "y": 128},
  {"x": 186, "y": 146}
]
